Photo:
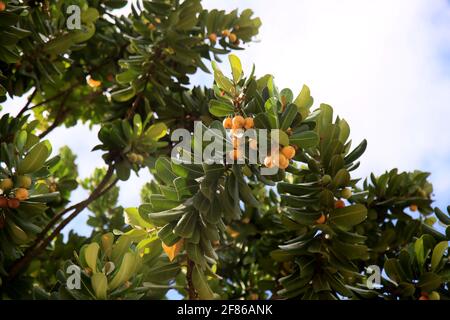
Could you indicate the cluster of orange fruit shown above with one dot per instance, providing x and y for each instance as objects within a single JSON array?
[
  {"x": 2, "y": 6},
  {"x": 237, "y": 124},
  {"x": 280, "y": 158},
  {"x": 232, "y": 37},
  {"x": 19, "y": 194}
]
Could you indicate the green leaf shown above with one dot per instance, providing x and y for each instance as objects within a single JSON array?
[
  {"x": 156, "y": 131},
  {"x": 99, "y": 283},
  {"x": 134, "y": 219},
  {"x": 35, "y": 158},
  {"x": 123, "y": 94},
  {"x": 347, "y": 217},
  {"x": 305, "y": 139},
  {"x": 438, "y": 253},
  {"x": 236, "y": 67},
  {"x": 288, "y": 116},
  {"x": 429, "y": 281},
  {"x": 90, "y": 15},
  {"x": 220, "y": 108},
  {"x": 304, "y": 101}
]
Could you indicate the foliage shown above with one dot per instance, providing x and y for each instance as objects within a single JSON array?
[{"x": 219, "y": 229}]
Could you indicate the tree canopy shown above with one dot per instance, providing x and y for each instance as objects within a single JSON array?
[{"x": 223, "y": 229}]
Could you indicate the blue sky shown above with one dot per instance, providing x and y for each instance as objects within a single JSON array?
[{"x": 383, "y": 65}]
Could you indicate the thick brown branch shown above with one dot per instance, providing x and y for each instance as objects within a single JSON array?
[{"x": 41, "y": 243}]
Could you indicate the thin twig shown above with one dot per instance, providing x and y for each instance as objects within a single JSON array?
[
  {"x": 62, "y": 112},
  {"x": 25, "y": 108}
]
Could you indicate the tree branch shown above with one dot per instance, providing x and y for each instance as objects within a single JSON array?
[
  {"x": 25, "y": 108},
  {"x": 59, "y": 116},
  {"x": 191, "y": 289},
  {"x": 41, "y": 243}
]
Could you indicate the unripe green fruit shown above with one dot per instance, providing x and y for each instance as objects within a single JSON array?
[
  {"x": 133, "y": 157},
  {"x": 24, "y": 181},
  {"x": 326, "y": 179},
  {"x": 140, "y": 159},
  {"x": 346, "y": 193},
  {"x": 6, "y": 184},
  {"x": 434, "y": 295}
]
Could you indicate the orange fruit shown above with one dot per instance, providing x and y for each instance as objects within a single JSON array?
[
  {"x": 21, "y": 194},
  {"x": 413, "y": 207},
  {"x": 225, "y": 33},
  {"x": 238, "y": 122},
  {"x": 227, "y": 123},
  {"x": 321, "y": 219},
  {"x": 93, "y": 83},
  {"x": 248, "y": 123},
  {"x": 283, "y": 162},
  {"x": 268, "y": 162},
  {"x": 151, "y": 26},
  {"x": 424, "y": 297},
  {"x": 2, "y": 6},
  {"x": 3, "y": 202},
  {"x": 212, "y": 37},
  {"x": 232, "y": 37},
  {"x": 13, "y": 203},
  {"x": 288, "y": 152},
  {"x": 339, "y": 204}
]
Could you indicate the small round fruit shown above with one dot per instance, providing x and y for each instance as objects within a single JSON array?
[
  {"x": 268, "y": 162},
  {"x": 424, "y": 297},
  {"x": 434, "y": 295},
  {"x": 413, "y": 207},
  {"x": 288, "y": 152},
  {"x": 326, "y": 179},
  {"x": 93, "y": 83},
  {"x": 238, "y": 122},
  {"x": 13, "y": 203},
  {"x": 3, "y": 202},
  {"x": 227, "y": 123},
  {"x": 24, "y": 182},
  {"x": 248, "y": 124},
  {"x": 322, "y": 219},
  {"x": 140, "y": 158},
  {"x": 6, "y": 184},
  {"x": 21, "y": 194},
  {"x": 133, "y": 157},
  {"x": 283, "y": 162},
  {"x": 151, "y": 26},
  {"x": 253, "y": 144},
  {"x": 2, "y": 6},
  {"x": 339, "y": 204},
  {"x": 225, "y": 33},
  {"x": 346, "y": 193},
  {"x": 232, "y": 37},
  {"x": 212, "y": 37}
]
